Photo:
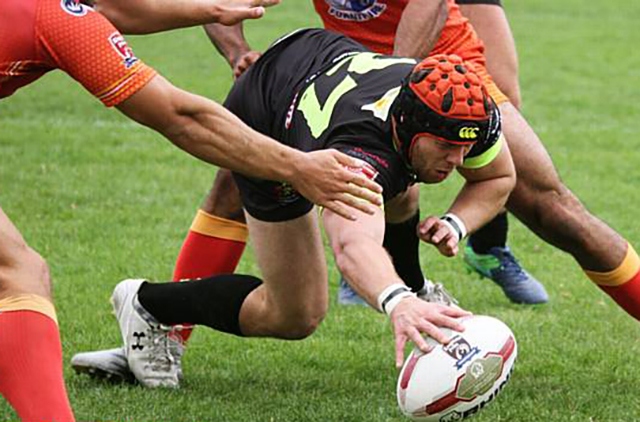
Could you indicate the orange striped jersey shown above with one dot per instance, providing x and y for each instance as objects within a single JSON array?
[
  {"x": 373, "y": 23},
  {"x": 37, "y": 36}
]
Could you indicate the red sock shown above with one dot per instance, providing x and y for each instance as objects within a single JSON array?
[
  {"x": 213, "y": 246},
  {"x": 622, "y": 283},
  {"x": 31, "y": 367},
  {"x": 627, "y": 295}
]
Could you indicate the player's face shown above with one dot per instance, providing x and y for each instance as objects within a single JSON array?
[{"x": 434, "y": 160}]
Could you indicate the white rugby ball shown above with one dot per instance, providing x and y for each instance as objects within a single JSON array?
[{"x": 457, "y": 380}]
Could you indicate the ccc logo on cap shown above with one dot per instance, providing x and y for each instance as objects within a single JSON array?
[{"x": 468, "y": 133}]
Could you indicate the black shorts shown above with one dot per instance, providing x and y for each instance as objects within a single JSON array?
[
  {"x": 496, "y": 2},
  {"x": 258, "y": 98}
]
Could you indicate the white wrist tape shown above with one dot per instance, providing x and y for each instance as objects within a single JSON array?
[
  {"x": 455, "y": 224},
  {"x": 391, "y": 296}
]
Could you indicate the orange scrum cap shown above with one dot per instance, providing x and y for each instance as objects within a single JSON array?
[{"x": 444, "y": 98}]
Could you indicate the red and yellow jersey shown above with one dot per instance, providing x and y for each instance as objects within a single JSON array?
[
  {"x": 373, "y": 23},
  {"x": 41, "y": 35}
]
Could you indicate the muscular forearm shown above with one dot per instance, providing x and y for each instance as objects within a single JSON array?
[
  {"x": 419, "y": 27},
  {"x": 208, "y": 131},
  {"x": 228, "y": 40},
  {"x": 367, "y": 266},
  {"x": 357, "y": 247},
  {"x": 213, "y": 134},
  {"x": 148, "y": 16},
  {"x": 478, "y": 202}
]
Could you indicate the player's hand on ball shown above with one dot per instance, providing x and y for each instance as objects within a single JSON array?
[
  {"x": 436, "y": 232},
  {"x": 413, "y": 317}
]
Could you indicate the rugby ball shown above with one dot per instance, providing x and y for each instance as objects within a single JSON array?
[{"x": 457, "y": 380}]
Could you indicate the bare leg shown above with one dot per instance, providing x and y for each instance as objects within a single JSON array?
[
  {"x": 30, "y": 351},
  {"x": 549, "y": 208},
  {"x": 293, "y": 299},
  {"x": 492, "y": 26}
]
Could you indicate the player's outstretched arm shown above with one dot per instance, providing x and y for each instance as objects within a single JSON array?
[
  {"x": 231, "y": 43},
  {"x": 149, "y": 16},
  {"x": 357, "y": 246},
  {"x": 483, "y": 195},
  {"x": 419, "y": 28},
  {"x": 208, "y": 131}
]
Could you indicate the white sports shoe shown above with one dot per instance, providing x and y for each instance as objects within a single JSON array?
[
  {"x": 110, "y": 364},
  {"x": 436, "y": 293},
  {"x": 153, "y": 354}
]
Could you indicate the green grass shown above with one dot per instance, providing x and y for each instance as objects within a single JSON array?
[{"x": 103, "y": 199}]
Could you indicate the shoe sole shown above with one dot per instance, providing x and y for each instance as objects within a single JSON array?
[{"x": 104, "y": 374}]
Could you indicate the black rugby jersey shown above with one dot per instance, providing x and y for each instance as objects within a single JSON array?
[{"x": 316, "y": 89}]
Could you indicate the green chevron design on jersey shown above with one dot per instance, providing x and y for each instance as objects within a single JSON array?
[{"x": 318, "y": 116}]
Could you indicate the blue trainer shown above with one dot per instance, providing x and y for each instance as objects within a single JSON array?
[
  {"x": 502, "y": 267},
  {"x": 348, "y": 296}
]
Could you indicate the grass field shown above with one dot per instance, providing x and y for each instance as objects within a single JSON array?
[{"x": 103, "y": 199}]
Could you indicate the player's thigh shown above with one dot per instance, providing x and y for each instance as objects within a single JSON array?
[
  {"x": 292, "y": 261},
  {"x": 223, "y": 200},
  {"x": 22, "y": 270},
  {"x": 491, "y": 24},
  {"x": 535, "y": 172}
]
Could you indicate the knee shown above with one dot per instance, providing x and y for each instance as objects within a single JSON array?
[
  {"x": 555, "y": 214},
  {"x": 299, "y": 327},
  {"x": 557, "y": 206},
  {"x": 23, "y": 270}
]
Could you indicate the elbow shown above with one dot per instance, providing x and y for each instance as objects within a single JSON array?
[{"x": 341, "y": 251}]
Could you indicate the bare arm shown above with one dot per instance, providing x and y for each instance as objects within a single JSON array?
[
  {"x": 148, "y": 16},
  {"x": 357, "y": 246},
  {"x": 419, "y": 27},
  {"x": 231, "y": 43},
  {"x": 210, "y": 132},
  {"x": 483, "y": 195}
]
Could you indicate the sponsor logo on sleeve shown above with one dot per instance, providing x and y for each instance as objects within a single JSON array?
[
  {"x": 122, "y": 48},
  {"x": 75, "y": 8}
]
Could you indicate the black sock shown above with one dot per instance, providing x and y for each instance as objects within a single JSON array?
[
  {"x": 214, "y": 301},
  {"x": 492, "y": 234},
  {"x": 402, "y": 242}
]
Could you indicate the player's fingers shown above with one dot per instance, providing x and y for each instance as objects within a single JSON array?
[
  {"x": 424, "y": 227},
  {"x": 362, "y": 194},
  {"x": 263, "y": 3},
  {"x": 356, "y": 203},
  {"x": 401, "y": 340},
  {"x": 417, "y": 338},
  {"x": 452, "y": 247},
  {"x": 235, "y": 16},
  {"x": 455, "y": 312},
  {"x": 434, "y": 332},
  {"x": 442, "y": 235},
  {"x": 355, "y": 178},
  {"x": 445, "y": 321},
  {"x": 340, "y": 209}
]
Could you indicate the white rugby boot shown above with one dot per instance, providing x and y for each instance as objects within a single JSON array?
[
  {"x": 153, "y": 354},
  {"x": 109, "y": 364},
  {"x": 436, "y": 293}
]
